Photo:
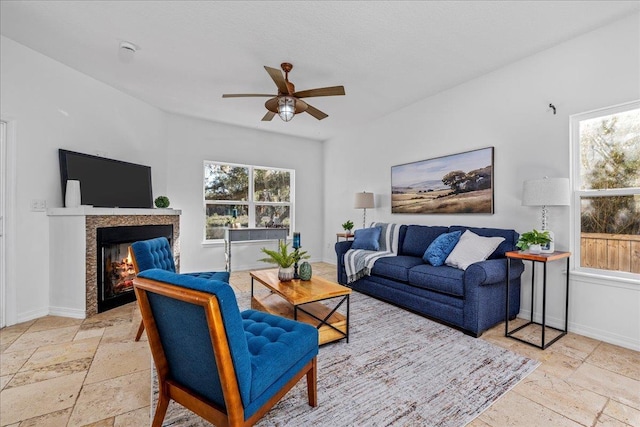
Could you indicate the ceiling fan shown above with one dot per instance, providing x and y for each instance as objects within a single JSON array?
[{"x": 288, "y": 102}]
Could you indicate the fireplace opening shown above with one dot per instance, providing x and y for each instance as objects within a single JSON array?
[{"x": 115, "y": 267}]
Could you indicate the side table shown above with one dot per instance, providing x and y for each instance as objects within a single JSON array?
[
  {"x": 544, "y": 259},
  {"x": 345, "y": 236}
]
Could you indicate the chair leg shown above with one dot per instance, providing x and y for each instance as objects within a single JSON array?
[
  {"x": 140, "y": 331},
  {"x": 312, "y": 383},
  {"x": 161, "y": 410}
]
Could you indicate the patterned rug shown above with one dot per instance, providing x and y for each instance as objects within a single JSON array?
[{"x": 398, "y": 369}]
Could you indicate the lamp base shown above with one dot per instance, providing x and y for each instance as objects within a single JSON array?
[{"x": 549, "y": 247}]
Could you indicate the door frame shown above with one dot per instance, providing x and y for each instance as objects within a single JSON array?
[{"x": 8, "y": 311}]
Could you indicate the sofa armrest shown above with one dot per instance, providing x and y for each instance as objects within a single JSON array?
[
  {"x": 341, "y": 249},
  {"x": 492, "y": 271}
]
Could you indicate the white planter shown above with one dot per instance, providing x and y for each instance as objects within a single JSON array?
[
  {"x": 285, "y": 274},
  {"x": 535, "y": 249}
]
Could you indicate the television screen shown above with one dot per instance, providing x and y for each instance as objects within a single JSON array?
[{"x": 107, "y": 182}]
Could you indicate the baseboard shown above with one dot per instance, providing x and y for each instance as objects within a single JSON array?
[
  {"x": 31, "y": 315},
  {"x": 67, "y": 312},
  {"x": 631, "y": 343}
]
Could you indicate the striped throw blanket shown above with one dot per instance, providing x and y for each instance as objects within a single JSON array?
[{"x": 359, "y": 262}]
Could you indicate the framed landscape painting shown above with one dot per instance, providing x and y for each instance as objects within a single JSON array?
[{"x": 458, "y": 183}]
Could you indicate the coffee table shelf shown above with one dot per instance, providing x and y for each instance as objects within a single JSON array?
[{"x": 305, "y": 301}]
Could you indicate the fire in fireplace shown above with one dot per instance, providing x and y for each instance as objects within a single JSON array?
[{"x": 115, "y": 271}]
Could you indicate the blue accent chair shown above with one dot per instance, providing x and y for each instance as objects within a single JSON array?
[
  {"x": 227, "y": 366},
  {"x": 157, "y": 253}
]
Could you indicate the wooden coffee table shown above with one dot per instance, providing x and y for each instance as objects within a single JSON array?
[{"x": 303, "y": 300}]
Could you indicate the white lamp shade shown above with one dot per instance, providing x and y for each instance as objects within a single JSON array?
[
  {"x": 546, "y": 192},
  {"x": 363, "y": 201}
]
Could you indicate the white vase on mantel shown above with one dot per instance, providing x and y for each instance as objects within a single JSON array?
[{"x": 72, "y": 195}]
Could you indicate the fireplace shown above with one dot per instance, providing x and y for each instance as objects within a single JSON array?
[{"x": 115, "y": 271}]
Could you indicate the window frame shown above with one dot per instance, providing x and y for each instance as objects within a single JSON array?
[
  {"x": 578, "y": 193},
  {"x": 250, "y": 202}
]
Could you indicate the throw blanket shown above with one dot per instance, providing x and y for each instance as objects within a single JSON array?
[{"x": 359, "y": 262}]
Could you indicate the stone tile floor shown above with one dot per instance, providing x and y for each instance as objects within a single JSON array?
[{"x": 57, "y": 371}]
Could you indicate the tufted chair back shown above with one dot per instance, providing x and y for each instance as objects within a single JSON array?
[
  {"x": 153, "y": 253},
  {"x": 229, "y": 367}
]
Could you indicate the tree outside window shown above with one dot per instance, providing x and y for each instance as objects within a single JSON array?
[
  {"x": 246, "y": 196},
  {"x": 608, "y": 189}
]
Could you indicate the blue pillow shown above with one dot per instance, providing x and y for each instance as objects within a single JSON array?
[
  {"x": 441, "y": 247},
  {"x": 367, "y": 238}
]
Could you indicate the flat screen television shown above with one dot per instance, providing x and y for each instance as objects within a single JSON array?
[{"x": 106, "y": 182}]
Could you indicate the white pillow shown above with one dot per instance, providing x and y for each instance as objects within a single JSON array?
[{"x": 472, "y": 248}]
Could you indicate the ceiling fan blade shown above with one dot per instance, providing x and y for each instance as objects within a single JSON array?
[
  {"x": 244, "y": 95},
  {"x": 278, "y": 79},
  {"x": 323, "y": 91},
  {"x": 316, "y": 113},
  {"x": 267, "y": 117}
]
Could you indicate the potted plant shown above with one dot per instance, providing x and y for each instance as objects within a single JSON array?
[
  {"x": 284, "y": 259},
  {"x": 348, "y": 226},
  {"x": 533, "y": 241}
]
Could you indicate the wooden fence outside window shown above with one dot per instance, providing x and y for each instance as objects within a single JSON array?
[{"x": 619, "y": 252}]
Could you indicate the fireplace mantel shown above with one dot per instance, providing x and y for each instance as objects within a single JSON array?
[
  {"x": 90, "y": 210},
  {"x": 73, "y": 258}
]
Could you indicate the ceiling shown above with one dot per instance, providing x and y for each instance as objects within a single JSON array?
[{"x": 387, "y": 54}]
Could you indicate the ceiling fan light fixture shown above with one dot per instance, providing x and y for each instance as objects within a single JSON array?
[{"x": 286, "y": 107}]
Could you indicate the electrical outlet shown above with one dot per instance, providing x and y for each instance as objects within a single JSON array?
[{"x": 38, "y": 205}]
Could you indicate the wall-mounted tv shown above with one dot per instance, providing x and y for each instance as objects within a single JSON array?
[{"x": 107, "y": 182}]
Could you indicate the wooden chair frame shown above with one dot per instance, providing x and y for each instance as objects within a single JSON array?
[{"x": 233, "y": 415}]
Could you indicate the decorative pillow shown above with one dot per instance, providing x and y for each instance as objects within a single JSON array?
[
  {"x": 367, "y": 238},
  {"x": 440, "y": 248},
  {"x": 472, "y": 248}
]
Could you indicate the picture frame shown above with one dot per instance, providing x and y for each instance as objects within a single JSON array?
[{"x": 453, "y": 184}]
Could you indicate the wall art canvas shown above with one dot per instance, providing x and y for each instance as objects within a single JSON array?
[{"x": 458, "y": 183}]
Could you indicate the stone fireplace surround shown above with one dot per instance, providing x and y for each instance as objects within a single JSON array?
[{"x": 73, "y": 258}]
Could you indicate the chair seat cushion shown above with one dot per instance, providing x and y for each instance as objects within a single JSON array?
[
  {"x": 222, "y": 276},
  {"x": 276, "y": 346}
]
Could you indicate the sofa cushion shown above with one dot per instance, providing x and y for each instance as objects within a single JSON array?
[
  {"x": 367, "y": 239},
  {"x": 418, "y": 238},
  {"x": 510, "y": 238},
  {"x": 395, "y": 267},
  {"x": 441, "y": 247},
  {"x": 472, "y": 248},
  {"x": 443, "y": 279}
]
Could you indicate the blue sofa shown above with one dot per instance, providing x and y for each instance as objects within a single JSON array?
[{"x": 472, "y": 300}]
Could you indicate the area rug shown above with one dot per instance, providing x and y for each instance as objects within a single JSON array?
[{"x": 398, "y": 369}]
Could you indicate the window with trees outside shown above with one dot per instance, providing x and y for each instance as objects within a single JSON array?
[
  {"x": 606, "y": 186},
  {"x": 246, "y": 196}
]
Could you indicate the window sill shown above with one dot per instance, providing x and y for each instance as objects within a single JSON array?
[{"x": 603, "y": 279}]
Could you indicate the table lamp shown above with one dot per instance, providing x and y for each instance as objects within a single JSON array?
[
  {"x": 364, "y": 201},
  {"x": 546, "y": 192}
]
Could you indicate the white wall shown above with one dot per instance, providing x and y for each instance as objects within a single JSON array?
[
  {"x": 506, "y": 109},
  {"x": 191, "y": 141},
  {"x": 53, "y": 106}
]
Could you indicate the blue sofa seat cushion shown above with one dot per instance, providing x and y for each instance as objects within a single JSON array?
[
  {"x": 443, "y": 279},
  {"x": 418, "y": 238},
  {"x": 276, "y": 345},
  {"x": 395, "y": 267}
]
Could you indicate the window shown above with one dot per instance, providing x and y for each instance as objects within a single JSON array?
[
  {"x": 606, "y": 187},
  {"x": 252, "y": 196}
]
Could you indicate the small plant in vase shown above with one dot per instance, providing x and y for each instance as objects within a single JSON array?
[
  {"x": 533, "y": 241},
  {"x": 347, "y": 226},
  {"x": 284, "y": 259}
]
